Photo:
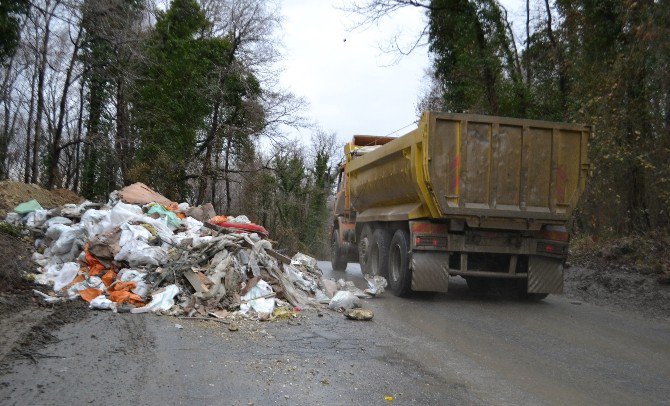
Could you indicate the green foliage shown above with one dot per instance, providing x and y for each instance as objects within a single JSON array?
[
  {"x": 10, "y": 14},
  {"x": 8, "y": 229},
  {"x": 473, "y": 58},
  {"x": 170, "y": 104}
]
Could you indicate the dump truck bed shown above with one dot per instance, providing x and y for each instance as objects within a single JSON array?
[{"x": 491, "y": 171}]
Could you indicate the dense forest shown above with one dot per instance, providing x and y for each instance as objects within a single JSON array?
[
  {"x": 182, "y": 95},
  {"x": 600, "y": 62}
]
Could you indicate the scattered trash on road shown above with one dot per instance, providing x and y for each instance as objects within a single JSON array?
[{"x": 141, "y": 253}]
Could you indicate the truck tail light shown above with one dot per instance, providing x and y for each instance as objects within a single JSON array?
[
  {"x": 552, "y": 235},
  {"x": 430, "y": 241}
]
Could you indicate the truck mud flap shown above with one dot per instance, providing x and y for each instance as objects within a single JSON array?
[
  {"x": 545, "y": 275},
  {"x": 429, "y": 271}
]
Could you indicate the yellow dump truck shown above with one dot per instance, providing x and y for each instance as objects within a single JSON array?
[{"x": 485, "y": 198}]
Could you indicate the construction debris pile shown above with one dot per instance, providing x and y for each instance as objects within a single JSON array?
[{"x": 143, "y": 253}]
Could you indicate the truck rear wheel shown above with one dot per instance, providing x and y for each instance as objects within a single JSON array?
[
  {"x": 400, "y": 277},
  {"x": 364, "y": 244},
  {"x": 378, "y": 259},
  {"x": 337, "y": 258}
]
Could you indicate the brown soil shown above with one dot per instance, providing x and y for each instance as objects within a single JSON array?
[
  {"x": 12, "y": 193},
  {"x": 26, "y": 324},
  {"x": 626, "y": 273},
  {"x": 15, "y": 254}
]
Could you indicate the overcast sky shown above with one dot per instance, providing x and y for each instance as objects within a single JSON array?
[{"x": 351, "y": 86}]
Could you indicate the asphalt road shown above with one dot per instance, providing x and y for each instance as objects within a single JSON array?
[{"x": 451, "y": 348}]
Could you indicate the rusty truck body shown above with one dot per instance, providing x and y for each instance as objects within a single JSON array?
[{"x": 485, "y": 198}]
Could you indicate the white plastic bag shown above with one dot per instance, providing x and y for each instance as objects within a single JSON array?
[
  {"x": 55, "y": 230},
  {"x": 344, "y": 299},
  {"x": 95, "y": 221},
  {"x": 65, "y": 275},
  {"x": 254, "y": 299},
  {"x": 58, "y": 220},
  {"x": 66, "y": 240},
  {"x": 139, "y": 253},
  {"x": 36, "y": 219},
  {"x": 132, "y": 232},
  {"x": 161, "y": 301},
  {"x": 102, "y": 303}
]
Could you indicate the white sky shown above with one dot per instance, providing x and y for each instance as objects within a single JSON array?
[{"x": 350, "y": 86}]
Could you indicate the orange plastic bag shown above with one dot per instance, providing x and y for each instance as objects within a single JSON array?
[
  {"x": 109, "y": 277},
  {"x": 95, "y": 267},
  {"x": 90, "y": 294},
  {"x": 122, "y": 296},
  {"x": 120, "y": 292}
]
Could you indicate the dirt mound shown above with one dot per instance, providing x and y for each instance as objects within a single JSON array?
[
  {"x": 626, "y": 272},
  {"x": 15, "y": 255},
  {"x": 12, "y": 193}
]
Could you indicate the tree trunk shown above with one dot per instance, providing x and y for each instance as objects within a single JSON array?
[
  {"x": 40, "y": 94},
  {"x": 29, "y": 128},
  {"x": 562, "y": 75},
  {"x": 226, "y": 173},
  {"x": 122, "y": 143},
  {"x": 58, "y": 134},
  {"x": 206, "y": 165}
]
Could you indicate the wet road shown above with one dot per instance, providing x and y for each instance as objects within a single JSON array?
[
  {"x": 552, "y": 352},
  {"x": 452, "y": 348}
]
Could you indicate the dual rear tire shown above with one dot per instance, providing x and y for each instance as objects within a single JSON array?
[{"x": 386, "y": 253}]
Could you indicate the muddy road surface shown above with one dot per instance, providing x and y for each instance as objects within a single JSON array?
[{"x": 453, "y": 348}]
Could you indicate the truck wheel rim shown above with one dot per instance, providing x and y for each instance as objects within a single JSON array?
[{"x": 395, "y": 262}]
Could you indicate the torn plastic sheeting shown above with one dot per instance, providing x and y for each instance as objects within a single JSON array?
[
  {"x": 376, "y": 284},
  {"x": 139, "y": 253},
  {"x": 305, "y": 260},
  {"x": 298, "y": 278},
  {"x": 28, "y": 207},
  {"x": 160, "y": 301}
]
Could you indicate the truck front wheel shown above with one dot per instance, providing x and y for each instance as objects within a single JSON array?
[
  {"x": 400, "y": 277},
  {"x": 337, "y": 259}
]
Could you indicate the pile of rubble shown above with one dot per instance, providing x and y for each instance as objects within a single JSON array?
[{"x": 141, "y": 253}]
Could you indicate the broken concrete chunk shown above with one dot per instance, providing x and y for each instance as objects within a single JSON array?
[{"x": 359, "y": 314}]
